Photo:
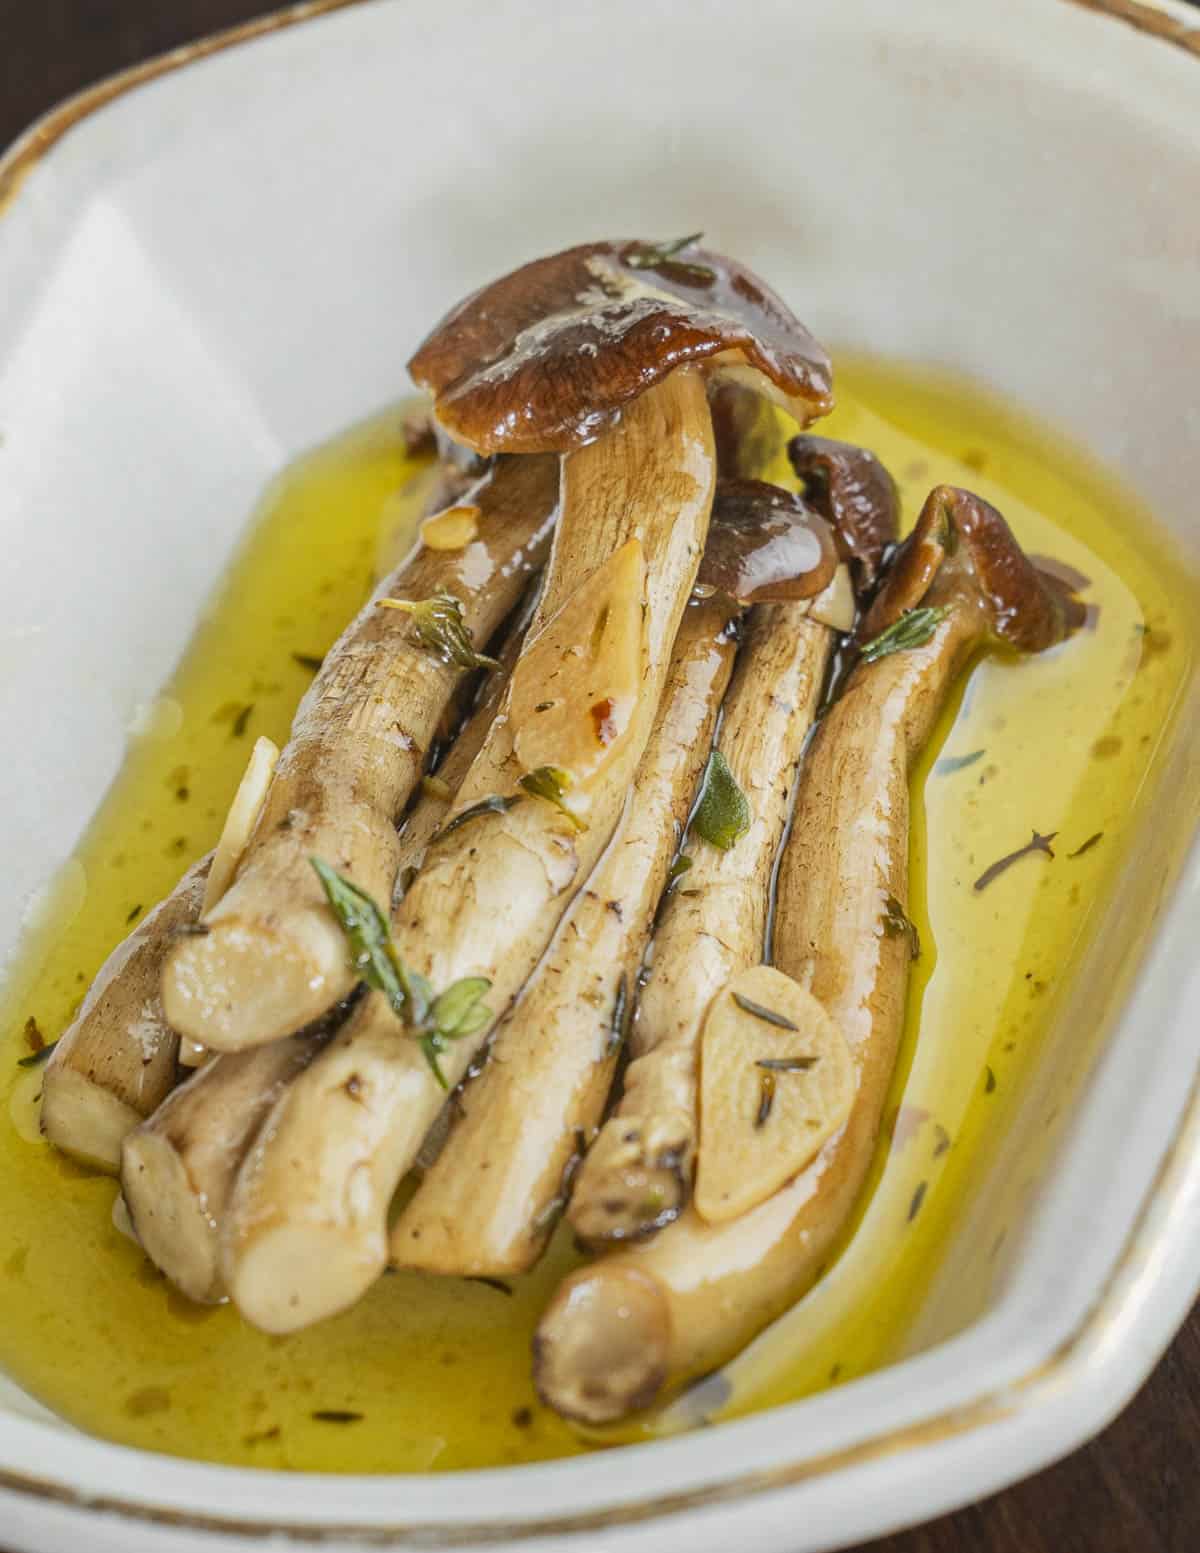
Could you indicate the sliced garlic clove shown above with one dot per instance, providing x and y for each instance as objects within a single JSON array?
[
  {"x": 834, "y": 606},
  {"x": 777, "y": 1080},
  {"x": 240, "y": 821}
]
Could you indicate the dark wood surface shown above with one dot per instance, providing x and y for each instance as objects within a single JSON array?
[{"x": 1134, "y": 1490}]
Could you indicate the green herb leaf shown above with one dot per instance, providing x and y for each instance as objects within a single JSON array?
[
  {"x": 658, "y": 256},
  {"x": 722, "y": 816},
  {"x": 373, "y": 954},
  {"x": 787, "y": 1064},
  {"x": 761, "y": 1012},
  {"x": 951, "y": 763},
  {"x": 766, "y": 1099},
  {"x": 914, "y": 628},
  {"x": 439, "y": 627},
  {"x": 308, "y": 660},
  {"x": 35, "y": 1059},
  {"x": 493, "y": 805},
  {"x": 553, "y": 783},
  {"x": 1038, "y": 843},
  {"x": 455, "y": 1008},
  {"x": 433, "y": 1021},
  {"x": 677, "y": 870},
  {"x": 897, "y": 922}
]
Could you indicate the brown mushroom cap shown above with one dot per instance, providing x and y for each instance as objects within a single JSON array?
[
  {"x": 961, "y": 546},
  {"x": 853, "y": 491},
  {"x": 765, "y": 545},
  {"x": 543, "y": 359}
]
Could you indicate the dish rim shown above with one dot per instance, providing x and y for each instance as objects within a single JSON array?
[{"x": 1168, "y": 21}]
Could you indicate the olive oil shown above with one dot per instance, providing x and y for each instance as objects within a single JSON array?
[{"x": 428, "y": 1374}]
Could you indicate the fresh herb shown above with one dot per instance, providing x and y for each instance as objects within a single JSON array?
[
  {"x": 722, "y": 816},
  {"x": 918, "y": 1197},
  {"x": 989, "y": 1080},
  {"x": 492, "y": 1283},
  {"x": 433, "y": 1021},
  {"x": 241, "y": 722},
  {"x": 660, "y": 256},
  {"x": 439, "y": 626},
  {"x": 677, "y": 870},
  {"x": 308, "y": 660},
  {"x": 766, "y": 1099},
  {"x": 1087, "y": 845},
  {"x": 134, "y": 913},
  {"x": 620, "y": 1015},
  {"x": 553, "y": 783},
  {"x": 1036, "y": 844},
  {"x": 336, "y": 1415},
  {"x": 914, "y": 628},
  {"x": 35, "y": 1059},
  {"x": 493, "y": 805},
  {"x": 787, "y": 1064},
  {"x": 943, "y": 1141},
  {"x": 897, "y": 922},
  {"x": 760, "y": 1012},
  {"x": 951, "y": 763}
]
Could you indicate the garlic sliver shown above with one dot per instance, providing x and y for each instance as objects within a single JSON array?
[{"x": 240, "y": 821}]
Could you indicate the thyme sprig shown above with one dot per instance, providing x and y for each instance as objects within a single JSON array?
[
  {"x": 914, "y": 628},
  {"x": 665, "y": 256},
  {"x": 432, "y": 1019},
  {"x": 439, "y": 626}
]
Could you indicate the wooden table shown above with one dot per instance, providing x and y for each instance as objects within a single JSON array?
[{"x": 1134, "y": 1490}]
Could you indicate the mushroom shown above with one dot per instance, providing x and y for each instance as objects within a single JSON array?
[
  {"x": 592, "y": 353},
  {"x": 178, "y": 1167},
  {"x": 116, "y": 1062},
  {"x": 766, "y": 544},
  {"x": 273, "y": 959},
  {"x": 636, "y": 1177},
  {"x": 856, "y": 495},
  {"x": 617, "y": 1332},
  {"x": 489, "y": 1203}
]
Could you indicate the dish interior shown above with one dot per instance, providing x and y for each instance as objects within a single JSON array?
[{"x": 433, "y": 1374}]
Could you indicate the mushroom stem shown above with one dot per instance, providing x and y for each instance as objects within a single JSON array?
[
  {"x": 637, "y": 1175},
  {"x": 429, "y": 811},
  {"x": 179, "y": 1166},
  {"x": 307, "y": 1234},
  {"x": 274, "y": 959},
  {"x": 116, "y": 1062},
  {"x": 491, "y": 1201},
  {"x": 706, "y": 1289}
]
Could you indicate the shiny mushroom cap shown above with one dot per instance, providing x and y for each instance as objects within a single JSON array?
[
  {"x": 962, "y": 549},
  {"x": 765, "y": 545},
  {"x": 543, "y": 359},
  {"x": 853, "y": 491}
]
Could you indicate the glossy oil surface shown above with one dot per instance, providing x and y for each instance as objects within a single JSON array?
[{"x": 433, "y": 1374}]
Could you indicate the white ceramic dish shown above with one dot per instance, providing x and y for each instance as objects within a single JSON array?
[{"x": 204, "y": 269}]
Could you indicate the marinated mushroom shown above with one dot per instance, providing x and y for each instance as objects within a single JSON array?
[
  {"x": 581, "y": 354},
  {"x": 686, "y": 1301},
  {"x": 273, "y": 959}
]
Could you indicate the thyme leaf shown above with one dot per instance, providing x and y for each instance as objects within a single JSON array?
[
  {"x": 438, "y": 625},
  {"x": 432, "y": 1020},
  {"x": 799, "y": 1064},
  {"x": 896, "y": 922},
  {"x": 665, "y": 256},
  {"x": 951, "y": 763},
  {"x": 553, "y": 784},
  {"x": 493, "y": 805},
  {"x": 914, "y": 628},
  {"x": 1038, "y": 843},
  {"x": 722, "y": 815},
  {"x": 766, "y": 1099},
  {"x": 35, "y": 1059},
  {"x": 1087, "y": 845},
  {"x": 308, "y": 660},
  {"x": 761, "y": 1012}
]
